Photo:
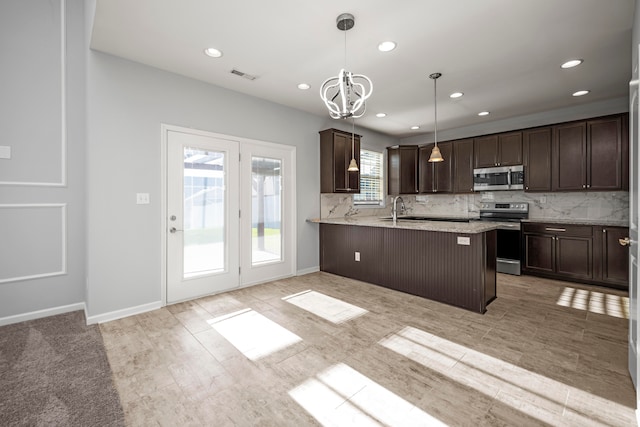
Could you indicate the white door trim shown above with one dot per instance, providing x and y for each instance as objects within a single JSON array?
[{"x": 165, "y": 128}]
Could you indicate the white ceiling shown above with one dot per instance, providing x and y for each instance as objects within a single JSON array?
[{"x": 505, "y": 55}]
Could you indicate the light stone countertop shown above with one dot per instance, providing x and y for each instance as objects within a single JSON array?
[
  {"x": 473, "y": 227},
  {"x": 577, "y": 222}
]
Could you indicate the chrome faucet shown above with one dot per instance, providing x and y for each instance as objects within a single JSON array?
[{"x": 394, "y": 208}]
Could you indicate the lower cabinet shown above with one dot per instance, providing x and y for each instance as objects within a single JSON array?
[
  {"x": 585, "y": 253},
  {"x": 417, "y": 262}
]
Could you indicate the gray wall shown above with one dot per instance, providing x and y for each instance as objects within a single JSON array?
[
  {"x": 32, "y": 239},
  {"x": 127, "y": 102}
]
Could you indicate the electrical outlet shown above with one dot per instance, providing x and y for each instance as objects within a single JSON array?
[
  {"x": 543, "y": 200},
  {"x": 357, "y": 256}
]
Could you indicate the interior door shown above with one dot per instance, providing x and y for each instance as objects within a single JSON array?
[
  {"x": 202, "y": 215},
  {"x": 268, "y": 243},
  {"x": 634, "y": 155}
]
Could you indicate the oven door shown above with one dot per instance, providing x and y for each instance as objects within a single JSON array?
[{"x": 508, "y": 251}]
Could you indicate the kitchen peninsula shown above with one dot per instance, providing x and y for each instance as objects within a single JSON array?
[{"x": 445, "y": 261}]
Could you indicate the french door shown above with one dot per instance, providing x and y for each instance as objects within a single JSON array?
[
  {"x": 229, "y": 213},
  {"x": 202, "y": 215}
]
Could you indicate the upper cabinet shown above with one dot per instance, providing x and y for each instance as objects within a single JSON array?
[
  {"x": 536, "y": 157},
  {"x": 590, "y": 155},
  {"x": 402, "y": 167},
  {"x": 436, "y": 177},
  {"x": 503, "y": 149},
  {"x": 335, "y": 156},
  {"x": 463, "y": 166}
]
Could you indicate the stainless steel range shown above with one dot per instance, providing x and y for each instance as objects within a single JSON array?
[{"x": 509, "y": 245}]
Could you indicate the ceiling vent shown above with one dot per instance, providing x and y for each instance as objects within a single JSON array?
[{"x": 241, "y": 74}]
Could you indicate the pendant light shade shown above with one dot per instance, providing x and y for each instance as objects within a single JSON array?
[
  {"x": 436, "y": 155},
  {"x": 353, "y": 166}
]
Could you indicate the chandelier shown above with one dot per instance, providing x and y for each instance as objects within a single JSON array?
[{"x": 345, "y": 95}]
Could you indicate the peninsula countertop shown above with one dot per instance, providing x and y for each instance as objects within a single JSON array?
[{"x": 471, "y": 227}]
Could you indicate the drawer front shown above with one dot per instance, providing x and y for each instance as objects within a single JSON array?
[{"x": 559, "y": 229}]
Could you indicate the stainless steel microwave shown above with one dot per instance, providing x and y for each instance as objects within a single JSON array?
[{"x": 499, "y": 178}]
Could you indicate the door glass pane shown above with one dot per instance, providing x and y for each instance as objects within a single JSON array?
[
  {"x": 266, "y": 212},
  {"x": 204, "y": 212}
]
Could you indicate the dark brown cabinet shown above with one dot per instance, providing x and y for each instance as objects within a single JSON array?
[
  {"x": 435, "y": 177},
  {"x": 503, "y": 149},
  {"x": 463, "y": 166},
  {"x": 590, "y": 254},
  {"x": 562, "y": 250},
  {"x": 536, "y": 157},
  {"x": 335, "y": 155},
  {"x": 614, "y": 267},
  {"x": 402, "y": 167},
  {"x": 589, "y": 155}
]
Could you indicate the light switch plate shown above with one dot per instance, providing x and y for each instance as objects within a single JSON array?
[
  {"x": 5, "y": 152},
  {"x": 142, "y": 198}
]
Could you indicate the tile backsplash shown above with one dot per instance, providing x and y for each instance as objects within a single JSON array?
[{"x": 606, "y": 205}]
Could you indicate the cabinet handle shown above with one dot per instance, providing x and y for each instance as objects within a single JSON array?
[
  {"x": 555, "y": 229},
  {"x": 624, "y": 242},
  {"x": 584, "y": 186}
]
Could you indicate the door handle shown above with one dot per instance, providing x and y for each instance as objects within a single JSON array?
[
  {"x": 625, "y": 242},
  {"x": 173, "y": 230}
]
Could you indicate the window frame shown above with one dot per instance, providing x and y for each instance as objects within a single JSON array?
[{"x": 378, "y": 203}]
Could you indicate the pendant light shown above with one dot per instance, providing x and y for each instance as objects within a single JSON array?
[
  {"x": 345, "y": 95},
  {"x": 436, "y": 156},
  {"x": 353, "y": 166}
]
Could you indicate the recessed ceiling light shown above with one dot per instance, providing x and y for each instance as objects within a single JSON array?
[
  {"x": 455, "y": 95},
  {"x": 415, "y": 127},
  {"x": 483, "y": 113},
  {"x": 581, "y": 92},
  {"x": 303, "y": 86},
  {"x": 387, "y": 46},
  {"x": 213, "y": 52},
  {"x": 572, "y": 63},
  {"x": 381, "y": 115}
]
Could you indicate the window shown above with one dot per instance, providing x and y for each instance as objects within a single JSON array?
[{"x": 370, "y": 179}]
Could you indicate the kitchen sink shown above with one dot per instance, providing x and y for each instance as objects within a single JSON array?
[{"x": 424, "y": 218}]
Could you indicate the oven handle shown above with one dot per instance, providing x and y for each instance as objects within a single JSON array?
[{"x": 555, "y": 229}]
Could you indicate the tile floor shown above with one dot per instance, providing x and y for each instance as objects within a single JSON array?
[{"x": 324, "y": 350}]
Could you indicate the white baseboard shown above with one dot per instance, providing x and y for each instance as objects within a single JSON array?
[
  {"x": 119, "y": 314},
  {"x": 41, "y": 313},
  {"x": 308, "y": 271}
]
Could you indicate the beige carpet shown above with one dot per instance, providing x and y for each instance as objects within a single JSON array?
[{"x": 54, "y": 371}]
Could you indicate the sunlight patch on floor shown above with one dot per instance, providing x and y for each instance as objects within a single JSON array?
[
  {"x": 329, "y": 308},
  {"x": 253, "y": 334},
  {"x": 342, "y": 396},
  {"x": 595, "y": 302},
  {"x": 540, "y": 397}
]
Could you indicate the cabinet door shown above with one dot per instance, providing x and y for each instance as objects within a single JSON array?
[
  {"x": 463, "y": 166},
  {"x": 345, "y": 181},
  {"x": 539, "y": 253},
  {"x": 569, "y": 170},
  {"x": 537, "y": 159},
  {"x": 426, "y": 170},
  {"x": 402, "y": 170},
  {"x": 604, "y": 167},
  {"x": 510, "y": 149},
  {"x": 615, "y": 257},
  {"x": 335, "y": 155},
  {"x": 485, "y": 151},
  {"x": 444, "y": 170},
  {"x": 574, "y": 257}
]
